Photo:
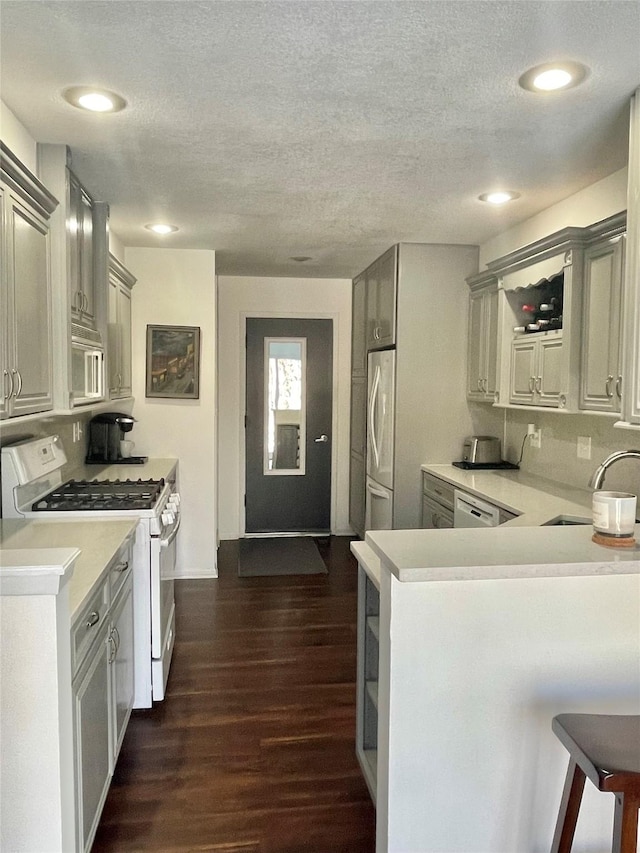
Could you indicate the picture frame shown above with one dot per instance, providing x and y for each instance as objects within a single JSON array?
[{"x": 173, "y": 362}]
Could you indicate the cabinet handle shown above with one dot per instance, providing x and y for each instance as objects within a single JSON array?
[
  {"x": 607, "y": 387},
  {"x": 112, "y": 650},
  {"x": 539, "y": 384},
  {"x": 117, "y": 638},
  {"x": 93, "y": 619},
  {"x": 15, "y": 372},
  {"x": 532, "y": 384},
  {"x": 479, "y": 384},
  {"x": 122, "y": 567},
  {"x": 619, "y": 387},
  {"x": 8, "y": 385},
  {"x": 485, "y": 382}
]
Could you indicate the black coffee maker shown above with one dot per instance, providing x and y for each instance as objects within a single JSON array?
[{"x": 106, "y": 431}]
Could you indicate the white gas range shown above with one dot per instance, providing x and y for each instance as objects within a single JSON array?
[{"x": 32, "y": 487}]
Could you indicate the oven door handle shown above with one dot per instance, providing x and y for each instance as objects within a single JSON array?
[{"x": 164, "y": 543}]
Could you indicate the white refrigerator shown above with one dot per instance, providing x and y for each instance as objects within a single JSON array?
[{"x": 380, "y": 440}]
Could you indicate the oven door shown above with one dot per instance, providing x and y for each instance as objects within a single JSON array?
[{"x": 163, "y": 564}]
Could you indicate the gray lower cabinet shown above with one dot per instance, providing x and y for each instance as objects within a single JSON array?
[
  {"x": 367, "y": 675},
  {"x": 601, "y": 362},
  {"x": 26, "y": 348},
  {"x": 103, "y": 689},
  {"x": 437, "y": 503},
  {"x": 119, "y": 330},
  {"x": 357, "y": 486}
]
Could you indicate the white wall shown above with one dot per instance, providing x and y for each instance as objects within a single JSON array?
[
  {"x": 17, "y": 138},
  {"x": 239, "y": 297},
  {"x": 177, "y": 287}
]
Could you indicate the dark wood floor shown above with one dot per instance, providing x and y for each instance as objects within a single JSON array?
[{"x": 252, "y": 750}]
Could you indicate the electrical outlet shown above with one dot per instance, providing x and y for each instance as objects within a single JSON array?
[
  {"x": 531, "y": 428},
  {"x": 536, "y": 438},
  {"x": 584, "y": 447}
]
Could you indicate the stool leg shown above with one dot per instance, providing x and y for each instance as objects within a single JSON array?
[
  {"x": 625, "y": 823},
  {"x": 569, "y": 808}
]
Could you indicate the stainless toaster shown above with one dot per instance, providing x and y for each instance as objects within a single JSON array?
[{"x": 481, "y": 449}]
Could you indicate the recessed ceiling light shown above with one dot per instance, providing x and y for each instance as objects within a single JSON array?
[
  {"x": 300, "y": 258},
  {"x": 94, "y": 100},
  {"x": 161, "y": 228},
  {"x": 553, "y": 76},
  {"x": 499, "y": 197}
]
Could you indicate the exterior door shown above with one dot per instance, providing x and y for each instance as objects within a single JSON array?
[{"x": 288, "y": 425}]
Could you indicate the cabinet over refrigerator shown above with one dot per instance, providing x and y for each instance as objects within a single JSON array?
[{"x": 380, "y": 439}]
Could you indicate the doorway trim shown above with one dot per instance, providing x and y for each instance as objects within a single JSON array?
[{"x": 334, "y": 316}]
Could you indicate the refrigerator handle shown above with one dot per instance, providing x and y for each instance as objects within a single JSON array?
[
  {"x": 377, "y": 493},
  {"x": 372, "y": 405}
]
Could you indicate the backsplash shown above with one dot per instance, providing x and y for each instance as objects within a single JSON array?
[{"x": 557, "y": 458}]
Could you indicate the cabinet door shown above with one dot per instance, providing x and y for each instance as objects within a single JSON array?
[
  {"x": 113, "y": 338},
  {"x": 122, "y": 682},
  {"x": 124, "y": 320},
  {"x": 600, "y": 367},
  {"x": 549, "y": 377},
  {"x": 475, "y": 347},
  {"x": 387, "y": 298},
  {"x": 6, "y": 313},
  {"x": 92, "y": 739},
  {"x": 74, "y": 238},
  {"x": 434, "y": 516},
  {"x": 523, "y": 371},
  {"x": 86, "y": 260},
  {"x": 30, "y": 282},
  {"x": 490, "y": 325},
  {"x": 357, "y": 494},
  {"x": 359, "y": 327},
  {"x": 381, "y": 301}
]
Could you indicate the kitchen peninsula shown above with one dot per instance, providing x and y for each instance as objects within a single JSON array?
[{"x": 482, "y": 636}]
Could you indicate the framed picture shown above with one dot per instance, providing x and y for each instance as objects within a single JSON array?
[{"x": 173, "y": 362}]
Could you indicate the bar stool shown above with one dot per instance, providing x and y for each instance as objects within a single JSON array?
[{"x": 606, "y": 748}]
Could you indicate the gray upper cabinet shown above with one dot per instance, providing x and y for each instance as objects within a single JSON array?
[
  {"x": 381, "y": 279},
  {"x": 601, "y": 370},
  {"x": 359, "y": 327},
  {"x": 26, "y": 349},
  {"x": 80, "y": 237},
  {"x": 119, "y": 329},
  {"x": 482, "y": 352}
]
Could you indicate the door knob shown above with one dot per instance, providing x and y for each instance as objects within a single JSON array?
[{"x": 321, "y": 439}]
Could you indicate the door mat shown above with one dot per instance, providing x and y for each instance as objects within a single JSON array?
[{"x": 279, "y": 556}]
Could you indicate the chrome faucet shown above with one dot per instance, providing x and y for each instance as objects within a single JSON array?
[{"x": 597, "y": 478}]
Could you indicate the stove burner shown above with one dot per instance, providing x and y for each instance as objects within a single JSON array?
[{"x": 101, "y": 495}]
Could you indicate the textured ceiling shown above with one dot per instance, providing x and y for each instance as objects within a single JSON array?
[{"x": 267, "y": 130}]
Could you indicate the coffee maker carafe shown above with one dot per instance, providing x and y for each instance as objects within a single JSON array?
[{"x": 106, "y": 431}]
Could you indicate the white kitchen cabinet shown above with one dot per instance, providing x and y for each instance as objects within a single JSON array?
[
  {"x": 482, "y": 351},
  {"x": 381, "y": 278},
  {"x": 91, "y": 693},
  {"x": 119, "y": 329},
  {"x": 80, "y": 236},
  {"x": 359, "y": 326},
  {"x": 631, "y": 314},
  {"x": 121, "y": 667},
  {"x": 537, "y": 370},
  {"x": 103, "y": 688},
  {"x": 358, "y": 404},
  {"x": 357, "y": 486},
  {"x": 437, "y": 503},
  {"x": 26, "y": 348},
  {"x": 601, "y": 357}
]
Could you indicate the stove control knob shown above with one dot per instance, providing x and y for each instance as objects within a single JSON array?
[
  {"x": 174, "y": 499},
  {"x": 167, "y": 517}
]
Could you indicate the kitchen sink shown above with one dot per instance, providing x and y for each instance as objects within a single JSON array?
[{"x": 564, "y": 520}]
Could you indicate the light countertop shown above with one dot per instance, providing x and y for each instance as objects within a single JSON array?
[
  {"x": 535, "y": 500},
  {"x": 29, "y": 544},
  {"x": 499, "y": 553}
]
